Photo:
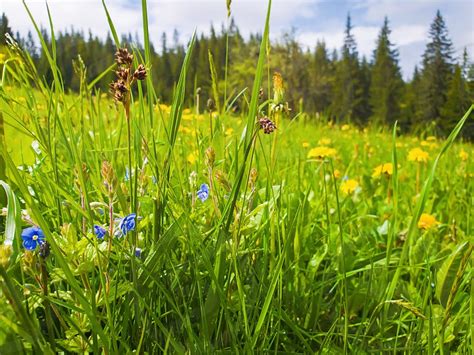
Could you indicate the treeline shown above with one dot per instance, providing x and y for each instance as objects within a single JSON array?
[{"x": 340, "y": 85}]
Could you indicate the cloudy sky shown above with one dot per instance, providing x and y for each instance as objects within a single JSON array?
[{"x": 311, "y": 20}]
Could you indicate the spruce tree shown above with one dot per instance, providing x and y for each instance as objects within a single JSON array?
[
  {"x": 4, "y": 29},
  {"x": 321, "y": 79},
  {"x": 436, "y": 73},
  {"x": 347, "y": 87},
  {"x": 457, "y": 103},
  {"x": 386, "y": 80}
]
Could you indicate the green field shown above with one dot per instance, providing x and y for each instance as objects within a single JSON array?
[{"x": 316, "y": 237}]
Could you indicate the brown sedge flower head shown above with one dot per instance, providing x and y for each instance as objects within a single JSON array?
[
  {"x": 108, "y": 175},
  {"x": 120, "y": 88},
  {"x": 140, "y": 73},
  {"x": 210, "y": 157},
  {"x": 252, "y": 178},
  {"x": 278, "y": 90},
  {"x": 123, "y": 57},
  {"x": 222, "y": 180},
  {"x": 266, "y": 125}
]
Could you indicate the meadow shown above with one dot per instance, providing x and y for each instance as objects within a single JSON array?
[{"x": 137, "y": 226}]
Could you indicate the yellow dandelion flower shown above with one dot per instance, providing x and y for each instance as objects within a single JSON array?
[
  {"x": 427, "y": 221},
  {"x": 229, "y": 131},
  {"x": 322, "y": 152},
  {"x": 463, "y": 155},
  {"x": 385, "y": 169},
  {"x": 345, "y": 127},
  {"x": 188, "y": 117},
  {"x": 418, "y": 155},
  {"x": 324, "y": 141},
  {"x": 349, "y": 186},
  {"x": 185, "y": 130},
  {"x": 337, "y": 174},
  {"x": 191, "y": 158},
  {"x": 305, "y": 145},
  {"x": 2, "y": 58}
]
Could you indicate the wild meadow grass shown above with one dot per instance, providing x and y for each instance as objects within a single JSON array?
[{"x": 315, "y": 237}]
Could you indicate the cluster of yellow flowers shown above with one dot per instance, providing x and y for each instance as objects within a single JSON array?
[
  {"x": 322, "y": 152},
  {"x": 385, "y": 169},
  {"x": 418, "y": 155}
]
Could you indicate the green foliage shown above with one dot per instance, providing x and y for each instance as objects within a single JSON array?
[
  {"x": 386, "y": 81},
  {"x": 279, "y": 258},
  {"x": 436, "y": 74}
]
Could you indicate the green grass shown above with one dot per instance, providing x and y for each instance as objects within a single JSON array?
[{"x": 278, "y": 259}]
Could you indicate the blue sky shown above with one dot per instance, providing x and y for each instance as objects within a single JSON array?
[{"x": 311, "y": 20}]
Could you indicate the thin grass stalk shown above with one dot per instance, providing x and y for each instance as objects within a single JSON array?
[{"x": 345, "y": 294}]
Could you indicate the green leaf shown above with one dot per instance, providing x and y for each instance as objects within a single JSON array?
[
  {"x": 447, "y": 273},
  {"x": 13, "y": 217}
]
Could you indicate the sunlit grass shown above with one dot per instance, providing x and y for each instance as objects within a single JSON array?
[{"x": 314, "y": 237}]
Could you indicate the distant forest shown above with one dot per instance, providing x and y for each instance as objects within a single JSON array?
[{"x": 340, "y": 85}]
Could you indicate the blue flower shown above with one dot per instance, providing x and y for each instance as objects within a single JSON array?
[
  {"x": 203, "y": 192},
  {"x": 138, "y": 252},
  {"x": 99, "y": 231},
  {"x": 32, "y": 236},
  {"x": 128, "y": 223}
]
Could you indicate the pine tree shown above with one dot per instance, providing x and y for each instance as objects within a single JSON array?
[
  {"x": 4, "y": 29},
  {"x": 362, "y": 109},
  {"x": 321, "y": 79},
  {"x": 386, "y": 80},
  {"x": 347, "y": 90},
  {"x": 436, "y": 73},
  {"x": 409, "y": 107},
  {"x": 457, "y": 103}
]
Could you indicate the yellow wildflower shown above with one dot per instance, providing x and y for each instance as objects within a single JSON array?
[
  {"x": 191, "y": 158},
  {"x": 386, "y": 169},
  {"x": 305, "y": 144},
  {"x": 427, "y": 221},
  {"x": 418, "y": 155},
  {"x": 322, "y": 152},
  {"x": 349, "y": 186},
  {"x": 431, "y": 138},
  {"x": 5, "y": 253},
  {"x": 463, "y": 155},
  {"x": 345, "y": 127},
  {"x": 229, "y": 131},
  {"x": 337, "y": 174},
  {"x": 324, "y": 141}
]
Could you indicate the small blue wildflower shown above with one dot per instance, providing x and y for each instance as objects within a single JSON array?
[
  {"x": 99, "y": 231},
  {"x": 138, "y": 252},
  {"x": 203, "y": 192},
  {"x": 127, "y": 223},
  {"x": 345, "y": 178},
  {"x": 32, "y": 236}
]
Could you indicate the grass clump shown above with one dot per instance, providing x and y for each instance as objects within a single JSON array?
[{"x": 166, "y": 235}]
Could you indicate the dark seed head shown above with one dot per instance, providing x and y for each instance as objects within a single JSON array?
[
  {"x": 267, "y": 125},
  {"x": 211, "y": 105},
  {"x": 123, "y": 57},
  {"x": 140, "y": 72},
  {"x": 44, "y": 250}
]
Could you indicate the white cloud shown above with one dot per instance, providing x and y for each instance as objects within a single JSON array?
[{"x": 164, "y": 15}]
